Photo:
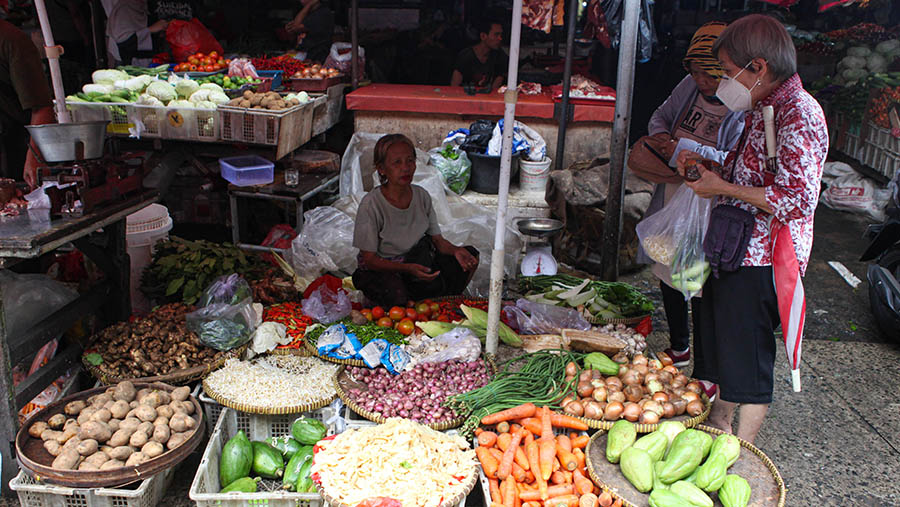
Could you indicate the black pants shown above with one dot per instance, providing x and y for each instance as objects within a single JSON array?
[
  {"x": 14, "y": 141},
  {"x": 677, "y": 317},
  {"x": 740, "y": 314},
  {"x": 395, "y": 289}
]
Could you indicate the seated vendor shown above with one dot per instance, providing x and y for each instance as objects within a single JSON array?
[
  {"x": 402, "y": 255},
  {"x": 483, "y": 64}
]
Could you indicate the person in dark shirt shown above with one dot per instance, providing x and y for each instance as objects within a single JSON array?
[
  {"x": 483, "y": 64},
  {"x": 314, "y": 27}
]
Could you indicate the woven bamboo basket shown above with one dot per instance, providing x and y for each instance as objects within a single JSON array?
[
  {"x": 256, "y": 409},
  {"x": 287, "y": 351},
  {"x": 628, "y": 321},
  {"x": 178, "y": 377},
  {"x": 315, "y": 353},
  {"x": 689, "y": 422},
  {"x": 767, "y": 486}
]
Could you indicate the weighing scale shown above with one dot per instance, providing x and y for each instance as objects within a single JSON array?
[{"x": 538, "y": 259}]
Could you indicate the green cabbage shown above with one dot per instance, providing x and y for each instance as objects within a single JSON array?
[
  {"x": 180, "y": 103},
  {"x": 186, "y": 87},
  {"x": 886, "y": 47},
  {"x": 137, "y": 83},
  {"x": 218, "y": 97},
  {"x": 98, "y": 88},
  {"x": 163, "y": 91},
  {"x": 205, "y": 104},
  {"x": 853, "y": 62},
  {"x": 876, "y": 63},
  {"x": 213, "y": 87},
  {"x": 859, "y": 51},
  {"x": 148, "y": 100},
  {"x": 199, "y": 95},
  {"x": 108, "y": 76}
]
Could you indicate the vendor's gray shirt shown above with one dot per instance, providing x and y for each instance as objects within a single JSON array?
[{"x": 390, "y": 231}]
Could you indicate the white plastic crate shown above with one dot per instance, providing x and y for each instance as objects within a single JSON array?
[
  {"x": 116, "y": 113},
  {"x": 211, "y": 409},
  {"x": 883, "y": 139},
  {"x": 148, "y": 493},
  {"x": 288, "y": 129},
  {"x": 190, "y": 124},
  {"x": 205, "y": 487},
  {"x": 881, "y": 160}
]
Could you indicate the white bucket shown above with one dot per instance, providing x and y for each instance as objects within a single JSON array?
[
  {"x": 143, "y": 229},
  {"x": 533, "y": 175}
]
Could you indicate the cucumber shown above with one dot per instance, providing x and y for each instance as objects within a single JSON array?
[
  {"x": 236, "y": 459},
  {"x": 308, "y": 431},
  {"x": 267, "y": 461},
  {"x": 242, "y": 485},
  {"x": 304, "y": 482},
  {"x": 293, "y": 468}
]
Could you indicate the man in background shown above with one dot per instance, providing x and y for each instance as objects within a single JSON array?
[{"x": 484, "y": 64}]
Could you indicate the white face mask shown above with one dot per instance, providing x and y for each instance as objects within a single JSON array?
[{"x": 734, "y": 94}]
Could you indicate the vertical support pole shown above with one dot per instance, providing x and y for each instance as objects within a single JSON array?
[
  {"x": 509, "y": 117},
  {"x": 354, "y": 43},
  {"x": 9, "y": 420},
  {"x": 53, "y": 52},
  {"x": 612, "y": 223},
  {"x": 567, "y": 80},
  {"x": 121, "y": 263}
]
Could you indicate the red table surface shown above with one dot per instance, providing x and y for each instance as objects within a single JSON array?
[{"x": 453, "y": 100}]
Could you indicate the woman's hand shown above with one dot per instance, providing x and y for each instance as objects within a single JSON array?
[
  {"x": 683, "y": 158},
  {"x": 421, "y": 272},
  {"x": 158, "y": 26},
  {"x": 710, "y": 184},
  {"x": 466, "y": 260}
]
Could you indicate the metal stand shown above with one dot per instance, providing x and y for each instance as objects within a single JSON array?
[{"x": 112, "y": 297}]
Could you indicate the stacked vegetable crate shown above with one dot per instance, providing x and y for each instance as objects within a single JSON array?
[
  {"x": 845, "y": 136},
  {"x": 288, "y": 129},
  {"x": 118, "y": 114},
  {"x": 148, "y": 493},
  {"x": 205, "y": 487},
  {"x": 881, "y": 151}
]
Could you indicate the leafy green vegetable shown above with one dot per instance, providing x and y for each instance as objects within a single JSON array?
[{"x": 94, "y": 359}]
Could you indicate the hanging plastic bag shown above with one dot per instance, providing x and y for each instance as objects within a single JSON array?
[
  {"x": 326, "y": 305},
  {"x": 226, "y": 318},
  {"x": 673, "y": 236},
  {"x": 324, "y": 244},
  {"x": 614, "y": 12},
  {"x": 537, "y": 318},
  {"x": 340, "y": 58},
  {"x": 479, "y": 136},
  {"x": 454, "y": 166},
  {"x": 189, "y": 37}
]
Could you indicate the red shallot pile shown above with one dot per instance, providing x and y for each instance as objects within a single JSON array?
[{"x": 417, "y": 394}]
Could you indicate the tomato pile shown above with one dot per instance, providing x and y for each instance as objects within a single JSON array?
[
  {"x": 869, "y": 33},
  {"x": 199, "y": 62},
  {"x": 291, "y": 315},
  {"x": 402, "y": 319},
  {"x": 881, "y": 106}
]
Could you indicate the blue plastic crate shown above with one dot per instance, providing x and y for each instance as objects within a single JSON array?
[
  {"x": 247, "y": 170},
  {"x": 274, "y": 74}
]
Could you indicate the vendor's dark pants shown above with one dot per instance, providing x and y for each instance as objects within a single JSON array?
[
  {"x": 677, "y": 317},
  {"x": 737, "y": 332},
  {"x": 395, "y": 289}
]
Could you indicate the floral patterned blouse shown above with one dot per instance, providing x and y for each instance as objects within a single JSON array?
[{"x": 793, "y": 193}]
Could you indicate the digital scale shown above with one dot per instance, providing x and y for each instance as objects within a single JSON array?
[{"x": 538, "y": 259}]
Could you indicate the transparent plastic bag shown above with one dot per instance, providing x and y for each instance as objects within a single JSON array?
[
  {"x": 537, "y": 318},
  {"x": 326, "y": 306},
  {"x": 325, "y": 244},
  {"x": 226, "y": 318},
  {"x": 29, "y": 298},
  {"x": 461, "y": 344},
  {"x": 673, "y": 236},
  {"x": 454, "y": 166}
]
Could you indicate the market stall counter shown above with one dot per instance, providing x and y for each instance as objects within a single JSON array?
[
  {"x": 30, "y": 235},
  {"x": 426, "y": 113}
]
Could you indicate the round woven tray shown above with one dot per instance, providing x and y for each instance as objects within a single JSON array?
[
  {"x": 767, "y": 486},
  {"x": 36, "y": 461},
  {"x": 688, "y": 421},
  {"x": 343, "y": 382},
  {"x": 288, "y": 351},
  {"x": 177, "y": 377},
  {"x": 453, "y": 502},
  {"x": 629, "y": 321},
  {"x": 255, "y": 409}
]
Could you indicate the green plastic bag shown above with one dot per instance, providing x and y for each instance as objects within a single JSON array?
[{"x": 454, "y": 166}]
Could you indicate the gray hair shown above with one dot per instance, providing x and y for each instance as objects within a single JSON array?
[{"x": 759, "y": 36}]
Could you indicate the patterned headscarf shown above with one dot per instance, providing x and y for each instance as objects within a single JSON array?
[{"x": 700, "y": 50}]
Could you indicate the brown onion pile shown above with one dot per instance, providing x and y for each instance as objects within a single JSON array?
[{"x": 644, "y": 391}]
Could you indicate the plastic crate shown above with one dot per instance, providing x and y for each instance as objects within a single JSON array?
[
  {"x": 190, "y": 124},
  {"x": 205, "y": 487},
  {"x": 879, "y": 159},
  {"x": 882, "y": 138},
  {"x": 148, "y": 493},
  {"x": 118, "y": 114},
  {"x": 287, "y": 129},
  {"x": 148, "y": 120},
  {"x": 274, "y": 74},
  {"x": 211, "y": 409},
  {"x": 247, "y": 170}
]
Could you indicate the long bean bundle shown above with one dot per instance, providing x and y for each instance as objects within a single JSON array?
[{"x": 540, "y": 380}]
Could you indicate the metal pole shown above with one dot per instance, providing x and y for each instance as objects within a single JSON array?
[
  {"x": 53, "y": 51},
  {"x": 509, "y": 118},
  {"x": 612, "y": 223},
  {"x": 354, "y": 43},
  {"x": 567, "y": 79}
]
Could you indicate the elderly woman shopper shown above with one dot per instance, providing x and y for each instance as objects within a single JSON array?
[
  {"x": 691, "y": 118},
  {"x": 740, "y": 309}
]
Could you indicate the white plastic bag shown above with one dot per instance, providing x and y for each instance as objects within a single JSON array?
[
  {"x": 29, "y": 298},
  {"x": 857, "y": 194},
  {"x": 326, "y": 306},
  {"x": 460, "y": 344},
  {"x": 340, "y": 57},
  {"x": 525, "y": 139},
  {"x": 324, "y": 244},
  {"x": 673, "y": 236}
]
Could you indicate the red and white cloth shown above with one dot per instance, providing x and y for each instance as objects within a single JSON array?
[
  {"x": 793, "y": 193},
  {"x": 538, "y": 14}
]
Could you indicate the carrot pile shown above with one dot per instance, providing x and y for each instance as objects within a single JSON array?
[{"x": 527, "y": 465}]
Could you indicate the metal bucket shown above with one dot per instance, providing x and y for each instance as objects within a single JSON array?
[{"x": 65, "y": 142}]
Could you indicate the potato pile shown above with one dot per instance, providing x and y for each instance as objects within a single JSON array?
[
  {"x": 272, "y": 101},
  {"x": 117, "y": 428}
]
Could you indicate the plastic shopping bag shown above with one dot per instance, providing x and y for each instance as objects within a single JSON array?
[
  {"x": 530, "y": 317},
  {"x": 673, "y": 236},
  {"x": 189, "y": 37},
  {"x": 340, "y": 58},
  {"x": 226, "y": 318},
  {"x": 326, "y": 305},
  {"x": 525, "y": 140},
  {"x": 454, "y": 166}
]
